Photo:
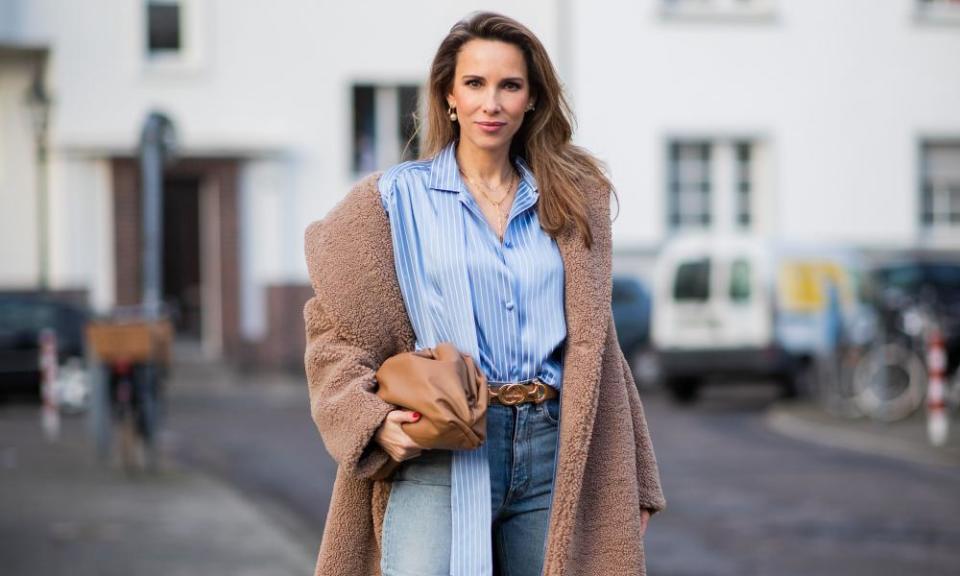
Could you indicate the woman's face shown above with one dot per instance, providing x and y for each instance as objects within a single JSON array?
[{"x": 490, "y": 92}]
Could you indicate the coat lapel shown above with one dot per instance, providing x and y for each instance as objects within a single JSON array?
[{"x": 587, "y": 281}]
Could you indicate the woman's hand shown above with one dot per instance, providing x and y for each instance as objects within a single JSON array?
[
  {"x": 394, "y": 440},
  {"x": 644, "y": 519}
]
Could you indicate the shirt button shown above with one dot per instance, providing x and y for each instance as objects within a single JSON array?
[
  {"x": 508, "y": 244},
  {"x": 510, "y": 305}
]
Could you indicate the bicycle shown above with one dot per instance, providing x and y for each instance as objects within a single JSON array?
[
  {"x": 134, "y": 410},
  {"x": 834, "y": 377},
  {"x": 131, "y": 354},
  {"x": 890, "y": 380}
]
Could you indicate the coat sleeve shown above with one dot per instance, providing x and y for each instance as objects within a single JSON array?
[
  {"x": 354, "y": 321},
  {"x": 648, "y": 473},
  {"x": 343, "y": 400}
]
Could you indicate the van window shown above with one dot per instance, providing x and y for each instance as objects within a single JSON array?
[
  {"x": 740, "y": 280},
  {"x": 692, "y": 281}
]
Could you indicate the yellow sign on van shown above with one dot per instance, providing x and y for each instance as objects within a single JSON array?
[{"x": 802, "y": 284}]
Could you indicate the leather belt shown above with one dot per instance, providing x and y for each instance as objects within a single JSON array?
[{"x": 514, "y": 393}]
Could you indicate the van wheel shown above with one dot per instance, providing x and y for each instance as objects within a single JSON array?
[
  {"x": 799, "y": 382},
  {"x": 645, "y": 366},
  {"x": 789, "y": 388},
  {"x": 683, "y": 390}
]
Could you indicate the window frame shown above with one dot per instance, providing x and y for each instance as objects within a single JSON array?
[
  {"x": 191, "y": 55},
  {"x": 677, "y": 189},
  {"x": 727, "y": 182},
  {"x": 744, "y": 184},
  {"x": 934, "y": 228},
  {"x": 400, "y": 122},
  {"x": 762, "y": 11},
  {"x": 937, "y": 12},
  {"x": 148, "y": 31}
]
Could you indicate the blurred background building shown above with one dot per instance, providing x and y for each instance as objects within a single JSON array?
[{"x": 803, "y": 120}]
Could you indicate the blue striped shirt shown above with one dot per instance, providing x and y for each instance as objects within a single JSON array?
[{"x": 501, "y": 303}]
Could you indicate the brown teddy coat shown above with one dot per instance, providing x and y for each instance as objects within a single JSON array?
[{"x": 606, "y": 468}]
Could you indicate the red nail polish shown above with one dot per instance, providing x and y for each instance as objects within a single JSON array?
[{"x": 416, "y": 415}]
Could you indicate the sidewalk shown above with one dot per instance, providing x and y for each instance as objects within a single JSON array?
[
  {"x": 63, "y": 513},
  {"x": 904, "y": 440}
]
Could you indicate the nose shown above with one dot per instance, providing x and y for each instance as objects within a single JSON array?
[{"x": 491, "y": 104}]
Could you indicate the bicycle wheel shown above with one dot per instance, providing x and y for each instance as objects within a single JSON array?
[
  {"x": 835, "y": 389},
  {"x": 890, "y": 382}
]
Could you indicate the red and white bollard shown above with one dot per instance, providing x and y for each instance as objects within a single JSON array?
[
  {"x": 937, "y": 423},
  {"x": 50, "y": 413}
]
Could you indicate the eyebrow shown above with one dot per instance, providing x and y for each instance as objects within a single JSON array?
[{"x": 509, "y": 79}]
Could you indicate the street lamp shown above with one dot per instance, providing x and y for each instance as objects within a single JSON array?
[{"x": 39, "y": 103}]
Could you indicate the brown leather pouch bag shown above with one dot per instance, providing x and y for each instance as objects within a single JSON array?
[{"x": 449, "y": 391}]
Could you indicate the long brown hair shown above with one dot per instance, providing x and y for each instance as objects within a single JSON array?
[{"x": 564, "y": 172}]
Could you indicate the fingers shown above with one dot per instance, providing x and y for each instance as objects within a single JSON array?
[
  {"x": 394, "y": 440},
  {"x": 407, "y": 454},
  {"x": 403, "y": 449},
  {"x": 400, "y": 415}
]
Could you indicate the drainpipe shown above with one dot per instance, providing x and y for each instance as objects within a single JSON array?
[{"x": 157, "y": 147}]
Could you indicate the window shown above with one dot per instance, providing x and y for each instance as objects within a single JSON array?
[
  {"x": 711, "y": 184},
  {"x": 689, "y": 185},
  {"x": 743, "y": 184},
  {"x": 364, "y": 123},
  {"x": 717, "y": 8},
  {"x": 692, "y": 281},
  {"x": 940, "y": 185},
  {"x": 384, "y": 126},
  {"x": 740, "y": 280},
  {"x": 939, "y": 10},
  {"x": 173, "y": 35},
  {"x": 408, "y": 98},
  {"x": 164, "y": 27}
]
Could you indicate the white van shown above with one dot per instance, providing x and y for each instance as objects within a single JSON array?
[{"x": 745, "y": 307}]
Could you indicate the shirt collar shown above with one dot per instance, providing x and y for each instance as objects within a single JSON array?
[{"x": 445, "y": 173}]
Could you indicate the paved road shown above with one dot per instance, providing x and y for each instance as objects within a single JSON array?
[
  {"x": 741, "y": 499},
  {"x": 261, "y": 440},
  {"x": 744, "y": 500},
  {"x": 64, "y": 513}
]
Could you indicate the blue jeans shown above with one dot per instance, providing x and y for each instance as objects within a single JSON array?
[{"x": 521, "y": 446}]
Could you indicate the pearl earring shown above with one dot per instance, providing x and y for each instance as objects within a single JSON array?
[{"x": 452, "y": 112}]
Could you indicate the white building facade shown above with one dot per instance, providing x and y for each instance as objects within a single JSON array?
[
  {"x": 802, "y": 119},
  {"x": 807, "y": 120},
  {"x": 279, "y": 107}
]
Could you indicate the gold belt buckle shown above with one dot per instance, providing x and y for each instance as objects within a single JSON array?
[
  {"x": 511, "y": 394},
  {"x": 539, "y": 392}
]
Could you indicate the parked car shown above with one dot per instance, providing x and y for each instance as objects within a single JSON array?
[
  {"x": 22, "y": 318},
  {"x": 631, "y": 316},
  {"x": 742, "y": 307}
]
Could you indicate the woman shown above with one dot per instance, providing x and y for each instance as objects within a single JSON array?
[{"x": 498, "y": 241}]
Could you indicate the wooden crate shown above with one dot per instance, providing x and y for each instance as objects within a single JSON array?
[{"x": 130, "y": 340}]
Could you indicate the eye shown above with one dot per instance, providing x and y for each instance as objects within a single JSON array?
[
  {"x": 473, "y": 82},
  {"x": 513, "y": 86}
]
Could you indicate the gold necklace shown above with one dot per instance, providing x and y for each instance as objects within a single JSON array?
[{"x": 501, "y": 217}]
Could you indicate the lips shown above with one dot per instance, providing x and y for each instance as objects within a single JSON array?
[{"x": 491, "y": 126}]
